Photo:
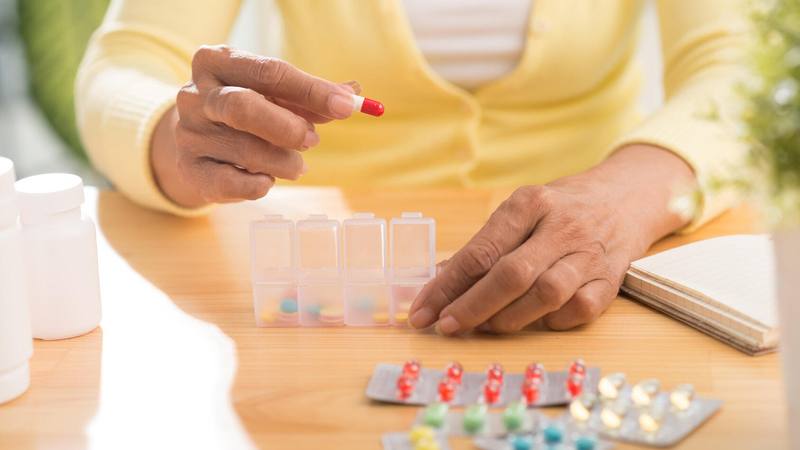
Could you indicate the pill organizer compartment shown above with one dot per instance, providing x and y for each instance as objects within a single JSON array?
[
  {"x": 413, "y": 260},
  {"x": 273, "y": 272},
  {"x": 318, "y": 260},
  {"x": 366, "y": 292},
  {"x": 275, "y": 304},
  {"x": 402, "y": 296}
]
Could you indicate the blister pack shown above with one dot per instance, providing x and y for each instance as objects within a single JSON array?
[
  {"x": 642, "y": 413},
  {"x": 419, "y": 438},
  {"x": 413, "y": 384}
]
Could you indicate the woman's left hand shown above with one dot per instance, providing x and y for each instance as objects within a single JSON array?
[{"x": 557, "y": 252}]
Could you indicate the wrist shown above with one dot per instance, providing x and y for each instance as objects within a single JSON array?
[
  {"x": 641, "y": 181},
  {"x": 653, "y": 176}
]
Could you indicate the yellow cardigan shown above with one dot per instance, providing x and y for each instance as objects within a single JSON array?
[{"x": 570, "y": 101}]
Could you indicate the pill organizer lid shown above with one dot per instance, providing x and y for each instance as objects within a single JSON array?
[
  {"x": 412, "y": 246},
  {"x": 364, "y": 244},
  {"x": 43, "y": 195},
  {"x": 272, "y": 241},
  {"x": 317, "y": 248}
]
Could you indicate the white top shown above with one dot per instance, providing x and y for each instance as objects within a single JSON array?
[
  {"x": 42, "y": 195},
  {"x": 470, "y": 42}
]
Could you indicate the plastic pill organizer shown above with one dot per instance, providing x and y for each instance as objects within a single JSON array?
[{"x": 318, "y": 272}]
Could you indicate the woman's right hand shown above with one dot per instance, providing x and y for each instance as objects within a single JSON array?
[{"x": 240, "y": 123}]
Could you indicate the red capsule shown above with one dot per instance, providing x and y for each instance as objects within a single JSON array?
[
  {"x": 447, "y": 390},
  {"x": 368, "y": 106},
  {"x": 405, "y": 387},
  {"x": 454, "y": 371},
  {"x": 495, "y": 373},
  {"x": 491, "y": 391},
  {"x": 534, "y": 370},
  {"x": 530, "y": 390},
  {"x": 574, "y": 385},
  {"x": 577, "y": 367},
  {"x": 411, "y": 369}
]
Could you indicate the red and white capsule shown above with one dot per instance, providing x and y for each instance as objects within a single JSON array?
[{"x": 367, "y": 106}]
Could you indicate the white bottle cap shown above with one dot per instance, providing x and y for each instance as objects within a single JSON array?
[
  {"x": 6, "y": 178},
  {"x": 8, "y": 210},
  {"x": 40, "y": 196}
]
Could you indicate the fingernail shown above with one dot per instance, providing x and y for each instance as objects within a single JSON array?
[
  {"x": 422, "y": 318},
  {"x": 448, "y": 325},
  {"x": 354, "y": 86},
  {"x": 311, "y": 139},
  {"x": 341, "y": 105},
  {"x": 304, "y": 169}
]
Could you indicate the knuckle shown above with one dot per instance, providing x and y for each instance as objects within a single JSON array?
[
  {"x": 203, "y": 55},
  {"x": 506, "y": 325},
  {"x": 257, "y": 189},
  {"x": 587, "y": 306},
  {"x": 294, "y": 166},
  {"x": 524, "y": 195},
  {"x": 292, "y": 131},
  {"x": 514, "y": 274},
  {"x": 269, "y": 71},
  {"x": 479, "y": 258},
  {"x": 186, "y": 98},
  {"x": 231, "y": 106},
  {"x": 550, "y": 291}
]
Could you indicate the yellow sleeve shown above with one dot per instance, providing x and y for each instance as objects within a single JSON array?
[
  {"x": 702, "y": 47},
  {"x": 132, "y": 70}
]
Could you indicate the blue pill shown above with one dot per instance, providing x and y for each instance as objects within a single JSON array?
[
  {"x": 314, "y": 309},
  {"x": 521, "y": 443},
  {"x": 365, "y": 304},
  {"x": 585, "y": 443},
  {"x": 552, "y": 435},
  {"x": 288, "y": 305}
]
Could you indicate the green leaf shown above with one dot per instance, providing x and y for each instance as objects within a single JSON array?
[{"x": 55, "y": 34}]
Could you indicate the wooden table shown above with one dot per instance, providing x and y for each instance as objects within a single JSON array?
[{"x": 162, "y": 370}]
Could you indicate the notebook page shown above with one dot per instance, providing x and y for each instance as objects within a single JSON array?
[{"x": 736, "y": 272}]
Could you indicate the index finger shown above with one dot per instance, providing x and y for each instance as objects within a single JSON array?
[
  {"x": 507, "y": 228},
  {"x": 273, "y": 77}
]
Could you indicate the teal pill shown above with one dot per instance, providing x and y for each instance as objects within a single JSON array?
[
  {"x": 365, "y": 304},
  {"x": 313, "y": 309},
  {"x": 514, "y": 416},
  {"x": 585, "y": 443},
  {"x": 552, "y": 435},
  {"x": 288, "y": 305},
  {"x": 474, "y": 418},
  {"x": 435, "y": 414},
  {"x": 521, "y": 443}
]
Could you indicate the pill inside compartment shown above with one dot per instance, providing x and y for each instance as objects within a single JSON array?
[
  {"x": 412, "y": 259},
  {"x": 366, "y": 291},
  {"x": 319, "y": 287},
  {"x": 273, "y": 272}
]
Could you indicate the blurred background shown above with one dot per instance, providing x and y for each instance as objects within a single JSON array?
[{"x": 41, "y": 44}]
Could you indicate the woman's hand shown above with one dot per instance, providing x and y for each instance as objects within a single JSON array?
[
  {"x": 557, "y": 252},
  {"x": 240, "y": 123}
]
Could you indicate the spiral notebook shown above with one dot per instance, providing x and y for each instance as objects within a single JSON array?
[{"x": 724, "y": 287}]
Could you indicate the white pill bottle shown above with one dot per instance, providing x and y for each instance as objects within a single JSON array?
[
  {"x": 16, "y": 346},
  {"x": 60, "y": 247}
]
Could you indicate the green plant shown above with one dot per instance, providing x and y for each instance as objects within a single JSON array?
[
  {"x": 55, "y": 34},
  {"x": 772, "y": 114}
]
